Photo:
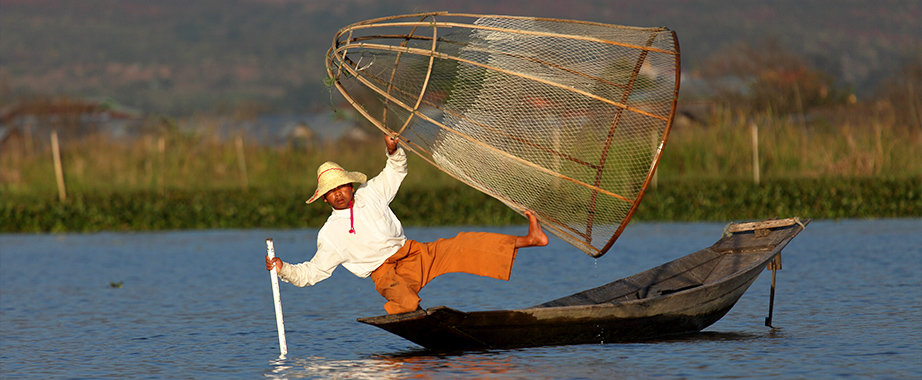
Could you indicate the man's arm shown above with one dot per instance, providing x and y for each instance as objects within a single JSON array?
[
  {"x": 308, "y": 273},
  {"x": 386, "y": 183}
]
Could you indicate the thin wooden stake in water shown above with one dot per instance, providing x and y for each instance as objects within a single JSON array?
[
  {"x": 283, "y": 346},
  {"x": 774, "y": 266},
  {"x": 161, "y": 153},
  {"x": 58, "y": 169},
  {"x": 755, "y": 152},
  {"x": 242, "y": 164}
]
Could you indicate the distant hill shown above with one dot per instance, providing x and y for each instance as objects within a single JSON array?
[{"x": 266, "y": 56}]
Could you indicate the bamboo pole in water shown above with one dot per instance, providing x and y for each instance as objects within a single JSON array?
[
  {"x": 58, "y": 169},
  {"x": 279, "y": 322},
  {"x": 774, "y": 266}
]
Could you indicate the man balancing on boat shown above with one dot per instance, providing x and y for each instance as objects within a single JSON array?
[{"x": 364, "y": 236}]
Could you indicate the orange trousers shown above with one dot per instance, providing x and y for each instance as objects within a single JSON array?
[{"x": 403, "y": 274}]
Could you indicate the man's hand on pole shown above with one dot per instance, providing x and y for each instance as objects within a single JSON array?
[{"x": 391, "y": 143}]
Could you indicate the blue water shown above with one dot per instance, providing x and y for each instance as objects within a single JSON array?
[{"x": 198, "y": 304}]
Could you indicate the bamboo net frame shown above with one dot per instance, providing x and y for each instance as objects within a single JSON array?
[{"x": 550, "y": 115}]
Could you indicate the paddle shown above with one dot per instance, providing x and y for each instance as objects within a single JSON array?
[{"x": 278, "y": 301}]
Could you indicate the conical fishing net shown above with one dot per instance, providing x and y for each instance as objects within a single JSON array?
[{"x": 564, "y": 118}]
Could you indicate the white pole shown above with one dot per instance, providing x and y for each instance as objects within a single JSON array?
[{"x": 278, "y": 301}]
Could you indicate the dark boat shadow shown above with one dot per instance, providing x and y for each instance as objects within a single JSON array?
[{"x": 705, "y": 336}]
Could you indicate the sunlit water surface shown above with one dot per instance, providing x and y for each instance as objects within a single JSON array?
[{"x": 198, "y": 304}]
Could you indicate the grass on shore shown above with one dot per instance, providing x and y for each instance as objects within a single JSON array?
[{"x": 854, "y": 168}]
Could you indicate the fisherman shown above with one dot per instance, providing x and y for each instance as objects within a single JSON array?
[{"x": 364, "y": 236}]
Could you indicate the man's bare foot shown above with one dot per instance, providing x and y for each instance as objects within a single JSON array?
[{"x": 536, "y": 237}]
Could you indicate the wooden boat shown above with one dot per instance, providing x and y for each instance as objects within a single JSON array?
[{"x": 682, "y": 296}]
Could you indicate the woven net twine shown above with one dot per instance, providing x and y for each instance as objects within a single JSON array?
[{"x": 561, "y": 117}]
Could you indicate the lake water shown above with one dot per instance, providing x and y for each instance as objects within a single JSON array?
[{"x": 198, "y": 304}]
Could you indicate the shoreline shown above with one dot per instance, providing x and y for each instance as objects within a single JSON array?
[{"x": 679, "y": 201}]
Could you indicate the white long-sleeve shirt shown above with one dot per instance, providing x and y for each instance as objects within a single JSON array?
[{"x": 378, "y": 232}]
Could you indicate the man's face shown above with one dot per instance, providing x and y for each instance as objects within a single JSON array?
[{"x": 340, "y": 197}]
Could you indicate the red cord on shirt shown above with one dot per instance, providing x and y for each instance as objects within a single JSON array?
[{"x": 351, "y": 222}]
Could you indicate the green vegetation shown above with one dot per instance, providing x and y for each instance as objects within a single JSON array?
[
  {"x": 809, "y": 198},
  {"x": 186, "y": 181},
  {"x": 274, "y": 208}
]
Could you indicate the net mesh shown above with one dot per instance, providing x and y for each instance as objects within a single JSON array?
[{"x": 561, "y": 117}]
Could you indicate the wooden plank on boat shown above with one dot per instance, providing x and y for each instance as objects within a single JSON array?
[
  {"x": 776, "y": 223},
  {"x": 754, "y": 236}
]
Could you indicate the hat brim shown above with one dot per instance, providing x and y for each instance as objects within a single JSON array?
[{"x": 336, "y": 179}]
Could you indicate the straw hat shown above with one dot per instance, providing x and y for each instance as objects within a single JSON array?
[{"x": 330, "y": 176}]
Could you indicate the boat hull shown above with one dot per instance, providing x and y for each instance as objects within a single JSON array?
[{"x": 682, "y": 296}]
